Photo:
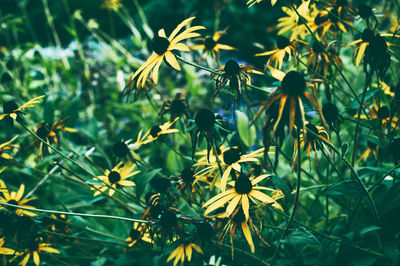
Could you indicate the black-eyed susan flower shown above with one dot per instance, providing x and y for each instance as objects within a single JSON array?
[
  {"x": 284, "y": 47},
  {"x": 163, "y": 47},
  {"x": 15, "y": 198},
  {"x": 332, "y": 116},
  {"x": 205, "y": 125},
  {"x": 236, "y": 74},
  {"x": 7, "y": 146},
  {"x": 319, "y": 59},
  {"x": 375, "y": 49},
  {"x": 116, "y": 178},
  {"x": 184, "y": 252},
  {"x": 290, "y": 97},
  {"x": 211, "y": 45},
  {"x": 112, "y": 5},
  {"x": 310, "y": 142},
  {"x": 33, "y": 249},
  {"x": 238, "y": 220},
  {"x": 239, "y": 193},
  {"x": 178, "y": 106},
  {"x": 329, "y": 20},
  {"x": 13, "y": 112},
  {"x": 381, "y": 113},
  {"x": 138, "y": 233},
  {"x": 232, "y": 158},
  {"x": 51, "y": 134},
  {"x": 293, "y": 23},
  {"x": 372, "y": 148},
  {"x": 133, "y": 87},
  {"x": 250, "y": 3},
  {"x": 156, "y": 131}
]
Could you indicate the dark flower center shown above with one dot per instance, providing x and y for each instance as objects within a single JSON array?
[
  {"x": 317, "y": 47},
  {"x": 367, "y": 35},
  {"x": 371, "y": 145},
  {"x": 134, "y": 234},
  {"x": 282, "y": 42},
  {"x": 330, "y": 111},
  {"x": 33, "y": 245},
  {"x": 231, "y": 68},
  {"x": 168, "y": 219},
  {"x": 319, "y": 19},
  {"x": 43, "y": 131},
  {"x": 120, "y": 149},
  {"x": 187, "y": 175},
  {"x": 159, "y": 45},
  {"x": 383, "y": 112},
  {"x": 243, "y": 185},
  {"x": 160, "y": 184},
  {"x": 231, "y": 156},
  {"x": 205, "y": 119},
  {"x": 154, "y": 131},
  {"x": 155, "y": 211},
  {"x": 293, "y": 83},
  {"x": 314, "y": 129},
  {"x": 239, "y": 217},
  {"x": 364, "y": 11},
  {"x": 114, "y": 177},
  {"x": 209, "y": 43},
  {"x": 9, "y": 107},
  {"x": 178, "y": 107},
  {"x": 333, "y": 15},
  {"x": 205, "y": 229},
  {"x": 377, "y": 46},
  {"x": 13, "y": 202}
]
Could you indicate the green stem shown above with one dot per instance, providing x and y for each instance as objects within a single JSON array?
[{"x": 76, "y": 214}]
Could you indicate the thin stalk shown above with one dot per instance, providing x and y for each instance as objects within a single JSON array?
[
  {"x": 77, "y": 214},
  {"x": 296, "y": 199},
  {"x": 355, "y": 141},
  {"x": 49, "y": 18}
]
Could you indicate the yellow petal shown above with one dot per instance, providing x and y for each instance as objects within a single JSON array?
[
  {"x": 172, "y": 60},
  {"x": 233, "y": 204},
  {"x": 247, "y": 235}
]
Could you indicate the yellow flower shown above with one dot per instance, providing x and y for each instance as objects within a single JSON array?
[
  {"x": 115, "y": 178},
  {"x": 371, "y": 148},
  {"x": 367, "y": 37},
  {"x": 292, "y": 21},
  {"x": 382, "y": 113},
  {"x": 183, "y": 251},
  {"x": 6, "y": 251},
  {"x": 12, "y": 110},
  {"x": 39, "y": 247},
  {"x": 285, "y": 47},
  {"x": 156, "y": 131},
  {"x": 250, "y": 3},
  {"x": 112, "y": 4},
  {"x": 310, "y": 142},
  {"x": 230, "y": 158},
  {"x": 138, "y": 232},
  {"x": 238, "y": 195},
  {"x": 7, "y": 146},
  {"x": 162, "y": 48},
  {"x": 318, "y": 57},
  {"x": 289, "y": 96},
  {"x": 211, "y": 45},
  {"x": 15, "y": 198},
  {"x": 49, "y": 132}
]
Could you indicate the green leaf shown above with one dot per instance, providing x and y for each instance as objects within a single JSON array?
[
  {"x": 368, "y": 95},
  {"x": 348, "y": 187},
  {"x": 247, "y": 134},
  {"x": 301, "y": 236},
  {"x": 282, "y": 185}
]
